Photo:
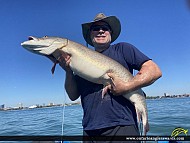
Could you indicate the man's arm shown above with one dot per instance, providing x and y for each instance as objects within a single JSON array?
[
  {"x": 71, "y": 86},
  {"x": 147, "y": 75},
  {"x": 70, "y": 82}
]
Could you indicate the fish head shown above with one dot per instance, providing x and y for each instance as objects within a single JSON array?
[{"x": 45, "y": 45}]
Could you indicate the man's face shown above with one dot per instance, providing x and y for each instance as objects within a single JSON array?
[{"x": 100, "y": 34}]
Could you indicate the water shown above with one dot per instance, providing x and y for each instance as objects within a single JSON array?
[
  {"x": 164, "y": 116},
  {"x": 167, "y": 114}
]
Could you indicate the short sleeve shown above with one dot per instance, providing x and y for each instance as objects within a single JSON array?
[{"x": 134, "y": 57}]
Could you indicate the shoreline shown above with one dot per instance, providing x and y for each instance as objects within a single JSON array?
[
  {"x": 168, "y": 96},
  {"x": 79, "y": 103},
  {"x": 38, "y": 106}
]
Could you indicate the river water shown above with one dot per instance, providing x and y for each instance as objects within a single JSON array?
[{"x": 164, "y": 116}]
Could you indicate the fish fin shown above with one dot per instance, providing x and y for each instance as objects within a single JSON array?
[
  {"x": 139, "y": 119},
  {"x": 104, "y": 91},
  {"x": 54, "y": 60},
  {"x": 145, "y": 129},
  {"x": 53, "y": 68},
  {"x": 109, "y": 80}
]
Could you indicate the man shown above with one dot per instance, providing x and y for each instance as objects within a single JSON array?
[{"x": 112, "y": 115}]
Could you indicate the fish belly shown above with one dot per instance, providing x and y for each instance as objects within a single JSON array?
[{"x": 83, "y": 68}]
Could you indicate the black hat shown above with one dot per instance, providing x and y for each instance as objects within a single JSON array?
[{"x": 112, "y": 21}]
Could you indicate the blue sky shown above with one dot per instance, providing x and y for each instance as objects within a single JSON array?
[{"x": 160, "y": 29}]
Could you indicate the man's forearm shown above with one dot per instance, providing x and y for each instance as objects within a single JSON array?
[
  {"x": 71, "y": 86},
  {"x": 148, "y": 74}
]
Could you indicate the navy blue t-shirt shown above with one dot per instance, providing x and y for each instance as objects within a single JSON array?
[{"x": 111, "y": 110}]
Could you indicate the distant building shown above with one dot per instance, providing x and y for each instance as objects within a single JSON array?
[
  {"x": 2, "y": 107},
  {"x": 33, "y": 106},
  {"x": 51, "y": 104},
  {"x": 20, "y": 105}
]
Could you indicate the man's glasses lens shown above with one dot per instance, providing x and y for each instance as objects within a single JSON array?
[{"x": 98, "y": 28}]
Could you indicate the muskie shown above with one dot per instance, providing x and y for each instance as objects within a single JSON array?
[{"x": 90, "y": 65}]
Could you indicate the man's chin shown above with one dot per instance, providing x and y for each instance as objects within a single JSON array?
[{"x": 102, "y": 42}]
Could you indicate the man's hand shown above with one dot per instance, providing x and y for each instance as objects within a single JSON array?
[
  {"x": 63, "y": 59},
  {"x": 64, "y": 62},
  {"x": 117, "y": 87},
  {"x": 52, "y": 58}
]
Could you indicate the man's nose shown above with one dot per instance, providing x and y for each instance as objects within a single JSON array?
[{"x": 101, "y": 31}]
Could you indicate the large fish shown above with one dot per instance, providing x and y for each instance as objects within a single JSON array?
[{"x": 90, "y": 65}]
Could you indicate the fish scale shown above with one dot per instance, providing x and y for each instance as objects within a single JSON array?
[{"x": 90, "y": 65}]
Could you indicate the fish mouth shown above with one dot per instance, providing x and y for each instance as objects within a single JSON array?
[
  {"x": 32, "y": 38},
  {"x": 39, "y": 48},
  {"x": 26, "y": 44},
  {"x": 42, "y": 46},
  {"x": 32, "y": 47}
]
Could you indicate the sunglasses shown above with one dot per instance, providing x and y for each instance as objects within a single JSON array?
[{"x": 100, "y": 27}]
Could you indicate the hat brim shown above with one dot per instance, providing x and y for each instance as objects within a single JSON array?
[{"x": 113, "y": 22}]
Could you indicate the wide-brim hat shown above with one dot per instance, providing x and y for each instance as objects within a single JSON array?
[{"x": 112, "y": 21}]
